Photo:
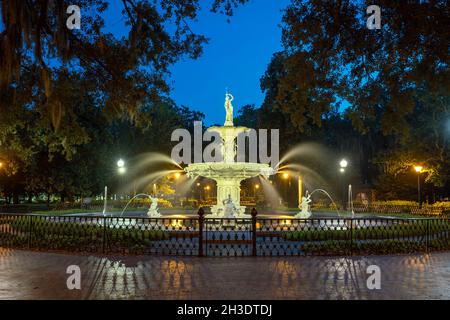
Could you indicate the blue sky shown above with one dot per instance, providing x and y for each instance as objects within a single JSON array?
[{"x": 235, "y": 57}]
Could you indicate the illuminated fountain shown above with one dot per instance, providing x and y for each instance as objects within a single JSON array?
[{"x": 228, "y": 173}]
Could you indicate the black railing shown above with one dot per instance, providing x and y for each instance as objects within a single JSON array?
[{"x": 205, "y": 236}]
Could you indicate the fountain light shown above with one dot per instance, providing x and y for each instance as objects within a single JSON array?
[
  {"x": 121, "y": 163},
  {"x": 343, "y": 164}
]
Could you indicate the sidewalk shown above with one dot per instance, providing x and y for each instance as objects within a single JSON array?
[{"x": 39, "y": 275}]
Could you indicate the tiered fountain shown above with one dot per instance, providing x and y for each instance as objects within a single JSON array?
[{"x": 228, "y": 173}]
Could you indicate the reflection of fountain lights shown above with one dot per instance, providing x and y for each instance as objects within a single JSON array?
[{"x": 175, "y": 223}]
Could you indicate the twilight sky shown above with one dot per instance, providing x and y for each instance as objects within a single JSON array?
[{"x": 236, "y": 56}]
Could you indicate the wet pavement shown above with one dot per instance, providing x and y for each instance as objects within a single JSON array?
[{"x": 39, "y": 275}]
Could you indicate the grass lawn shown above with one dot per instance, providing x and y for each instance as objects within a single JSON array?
[{"x": 70, "y": 211}]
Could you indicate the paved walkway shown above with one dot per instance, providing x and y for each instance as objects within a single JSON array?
[{"x": 37, "y": 275}]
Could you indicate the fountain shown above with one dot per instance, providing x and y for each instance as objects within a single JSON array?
[
  {"x": 304, "y": 205},
  {"x": 350, "y": 199},
  {"x": 152, "y": 211},
  {"x": 329, "y": 197},
  {"x": 228, "y": 173},
  {"x": 305, "y": 212}
]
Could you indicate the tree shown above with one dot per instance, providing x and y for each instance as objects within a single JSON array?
[
  {"x": 391, "y": 84},
  {"x": 38, "y": 52},
  {"x": 331, "y": 56}
]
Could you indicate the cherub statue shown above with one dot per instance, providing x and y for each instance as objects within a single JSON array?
[
  {"x": 153, "y": 210},
  {"x": 229, "y": 207},
  {"x": 304, "y": 205}
]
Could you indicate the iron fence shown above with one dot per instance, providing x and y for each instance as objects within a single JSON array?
[{"x": 203, "y": 236}]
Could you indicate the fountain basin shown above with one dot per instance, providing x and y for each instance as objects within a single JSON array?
[{"x": 231, "y": 170}]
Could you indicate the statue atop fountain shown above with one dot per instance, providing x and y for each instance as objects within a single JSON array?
[
  {"x": 153, "y": 210},
  {"x": 229, "y": 110},
  {"x": 304, "y": 205}
]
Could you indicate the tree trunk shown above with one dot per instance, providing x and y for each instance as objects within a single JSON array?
[
  {"x": 48, "y": 201},
  {"x": 15, "y": 198}
]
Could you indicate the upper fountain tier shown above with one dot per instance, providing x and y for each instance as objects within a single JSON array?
[{"x": 228, "y": 167}]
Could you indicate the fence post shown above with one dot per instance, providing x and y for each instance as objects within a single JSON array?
[
  {"x": 201, "y": 220},
  {"x": 30, "y": 230},
  {"x": 104, "y": 235},
  {"x": 254, "y": 213},
  {"x": 428, "y": 235},
  {"x": 351, "y": 237}
]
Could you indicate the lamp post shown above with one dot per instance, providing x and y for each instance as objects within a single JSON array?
[
  {"x": 300, "y": 189},
  {"x": 177, "y": 177},
  {"x": 121, "y": 169},
  {"x": 207, "y": 192},
  {"x": 255, "y": 190},
  {"x": 287, "y": 186},
  {"x": 343, "y": 164},
  {"x": 198, "y": 192},
  {"x": 419, "y": 170}
]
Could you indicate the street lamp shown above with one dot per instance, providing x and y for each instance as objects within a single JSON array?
[
  {"x": 342, "y": 166},
  {"x": 287, "y": 177},
  {"x": 419, "y": 170},
  {"x": 121, "y": 170},
  {"x": 177, "y": 176},
  {"x": 121, "y": 166},
  {"x": 255, "y": 190},
  {"x": 207, "y": 192}
]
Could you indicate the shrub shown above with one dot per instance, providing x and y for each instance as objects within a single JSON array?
[{"x": 60, "y": 234}]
